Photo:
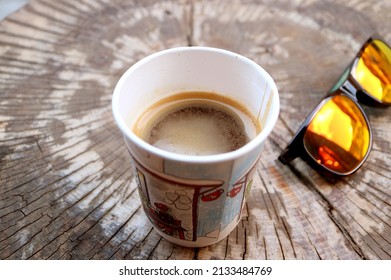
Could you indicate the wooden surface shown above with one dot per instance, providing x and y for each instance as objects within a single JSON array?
[{"x": 66, "y": 188}]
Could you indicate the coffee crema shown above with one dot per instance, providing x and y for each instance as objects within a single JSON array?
[{"x": 197, "y": 123}]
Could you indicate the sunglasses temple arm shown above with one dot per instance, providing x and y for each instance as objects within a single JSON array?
[
  {"x": 295, "y": 148},
  {"x": 287, "y": 155}
]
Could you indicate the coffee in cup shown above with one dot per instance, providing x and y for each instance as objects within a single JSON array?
[{"x": 197, "y": 123}]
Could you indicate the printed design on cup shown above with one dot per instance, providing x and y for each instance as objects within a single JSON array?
[
  {"x": 160, "y": 214},
  {"x": 189, "y": 209},
  {"x": 210, "y": 195},
  {"x": 235, "y": 201},
  {"x": 210, "y": 203},
  {"x": 179, "y": 199},
  {"x": 173, "y": 206},
  {"x": 165, "y": 222},
  {"x": 236, "y": 189}
]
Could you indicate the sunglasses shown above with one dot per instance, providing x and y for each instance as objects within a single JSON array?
[{"x": 336, "y": 137}]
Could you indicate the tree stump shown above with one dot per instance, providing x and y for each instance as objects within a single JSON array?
[{"x": 66, "y": 187}]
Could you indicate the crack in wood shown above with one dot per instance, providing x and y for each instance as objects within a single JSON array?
[
  {"x": 279, "y": 242},
  {"x": 329, "y": 208},
  {"x": 119, "y": 247},
  {"x": 245, "y": 244},
  {"x": 289, "y": 237}
]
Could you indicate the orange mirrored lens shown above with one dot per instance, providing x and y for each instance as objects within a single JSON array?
[
  {"x": 338, "y": 136},
  {"x": 373, "y": 70}
]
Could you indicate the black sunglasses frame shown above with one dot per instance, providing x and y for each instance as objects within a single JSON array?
[{"x": 349, "y": 87}]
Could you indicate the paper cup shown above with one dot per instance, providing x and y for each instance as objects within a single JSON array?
[{"x": 194, "y": 201}]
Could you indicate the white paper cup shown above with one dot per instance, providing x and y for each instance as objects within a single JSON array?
[{"x": 194, "y": 201}]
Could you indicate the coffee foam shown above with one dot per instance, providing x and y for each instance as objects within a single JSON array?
[
  {"x": 198, "y": 130},
  {"x": 196, "y": 124}
]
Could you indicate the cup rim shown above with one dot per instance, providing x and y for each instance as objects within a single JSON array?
[{"x": 245, "y": 149}]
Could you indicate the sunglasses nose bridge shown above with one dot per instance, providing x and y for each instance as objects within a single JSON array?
[{"x": 351, "y": 87}]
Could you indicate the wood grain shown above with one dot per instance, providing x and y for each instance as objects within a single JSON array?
[{"x": 66, "y": 188}]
